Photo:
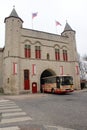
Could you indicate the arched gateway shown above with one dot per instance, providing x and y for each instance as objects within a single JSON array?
[{"x": 46, "y": 73}]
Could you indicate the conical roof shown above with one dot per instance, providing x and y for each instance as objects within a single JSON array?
[
  {"x": 14, "y": 13},
  {"x": 67, "y": 27}
]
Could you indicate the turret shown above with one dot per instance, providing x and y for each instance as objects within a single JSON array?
[
  {"x": 13, "y": 28},
  {"x": 13, "y": 25},
  {"x": 70, "y": 34},
  {"x": 67, "y": 30},
  {"x": 13, "y": 14}
]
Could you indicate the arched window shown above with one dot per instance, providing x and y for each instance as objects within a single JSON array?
[
  {"x": 57, "y": 54},
  {"x": 65, "y": 55},
  {"x": 27, "y": 51},
  {"x": 37, "y": 52}
]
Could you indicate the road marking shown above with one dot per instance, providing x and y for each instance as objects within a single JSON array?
[
  {"x": 57, "y": 127},
  {"x": 10, "y": 128},
  {"x": 10, "y": 102},
  {"x": 7, "y": 104},
  {"x": 14, "y": 114},
  {"x": 6, "y": 107},
  {"x": 11, "y": 110},
  {"x": 4, "y": 100},
  {"x": 13, "y": 120}
]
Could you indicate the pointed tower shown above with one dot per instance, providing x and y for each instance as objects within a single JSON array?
[
  {"x": 67, "y": 27},
  {"x": 69, "y": 33},
  {"x": 13, "y": 26}
]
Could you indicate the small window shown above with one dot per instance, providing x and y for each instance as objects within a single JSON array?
[
  {"x": 37, "y": 52},
  {"x": 15, "y": 66},
  {"x": 65, "y": 56},
  {"x": 27, "y": 51},
  {"x": 57, "y": 54},
  {"x": 48, "y": 56},
  {"x": 77, "y": 70}
]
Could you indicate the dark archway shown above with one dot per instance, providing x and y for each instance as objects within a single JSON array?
[{"x": 46, "y": 73}]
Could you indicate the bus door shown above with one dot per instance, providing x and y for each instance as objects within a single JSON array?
[{"x": 58, "y": 82}]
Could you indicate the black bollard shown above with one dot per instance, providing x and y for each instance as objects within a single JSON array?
[{"x": 0, "y": 116}]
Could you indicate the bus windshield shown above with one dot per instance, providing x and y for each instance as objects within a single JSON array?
[{"x": 66, "y": 80}]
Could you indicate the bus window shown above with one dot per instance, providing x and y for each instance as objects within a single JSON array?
[{"x": 67, "y": 80}]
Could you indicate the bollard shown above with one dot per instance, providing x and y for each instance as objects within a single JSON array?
[{"x": 0, "y": 116}]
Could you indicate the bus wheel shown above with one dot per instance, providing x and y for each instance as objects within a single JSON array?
[{"x": 52, "y": 91}]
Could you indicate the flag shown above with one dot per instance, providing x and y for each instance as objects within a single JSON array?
[
  {"x": 34, "y": 15},
  {"x": 57, "y": 23}
]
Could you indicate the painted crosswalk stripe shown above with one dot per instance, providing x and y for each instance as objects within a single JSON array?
[
  {"x": 57, "y": 127},
  {"x": 7, "y": 104},
  {"x": 11, "y": 110},
  {"x": 1, "y": 102},
  {"x": 14, "y": 114},
  {"x": 13, "y": 120},
  {"x": 10, "y": 107},
  {"x": 10, "y": 128},
  {"x": 10, "y": 102},
  {"x": 4, "y": 100}
]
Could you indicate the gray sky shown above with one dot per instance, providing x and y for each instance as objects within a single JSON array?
[{"x": 74, "y": 11}]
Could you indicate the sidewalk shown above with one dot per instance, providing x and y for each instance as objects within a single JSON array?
[
  {"x": 31, "y": 95},
  {"x": 81, "y": 90},
  {"x": 22, "y": 96}
]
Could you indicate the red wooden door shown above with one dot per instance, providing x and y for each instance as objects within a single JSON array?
[
  {"x": 34, "y": 87},
  {"x": 26, "y": 80}
]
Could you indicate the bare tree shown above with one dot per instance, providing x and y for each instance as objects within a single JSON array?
[
  {"x": 83, "y": 67},
  {"x": 85, "y": 57}
]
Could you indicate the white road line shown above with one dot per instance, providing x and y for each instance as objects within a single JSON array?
[
  {"x": 57, "y": 127},
  {"x": 10, "y": 128},
  {"x": 13, "y": 120},
  {"x": 6, "y": 104},
  {"x": 13, "y": 114},
  {"x": 11, "y": 110},
  {"x": 4, "y": 100},
  {"x": 10, "y": 107},
  {"x": 10, "y": 102}
]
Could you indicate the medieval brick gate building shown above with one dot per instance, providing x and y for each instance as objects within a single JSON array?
[{"x": 29, "y": 55}]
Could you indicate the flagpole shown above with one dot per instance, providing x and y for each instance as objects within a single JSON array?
[
  {"x": 33, "y": 16},
  {"x": 56, "y": 27},
  {"x": 56, "y": 30},
  {"x": 57, "y": 23}
]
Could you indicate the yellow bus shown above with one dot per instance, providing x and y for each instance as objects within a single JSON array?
[{"x": 57, "y": 84}]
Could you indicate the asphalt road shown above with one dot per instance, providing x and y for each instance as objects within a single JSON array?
[{"x": 50, "y": 111}]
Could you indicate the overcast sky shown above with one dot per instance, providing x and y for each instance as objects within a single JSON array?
[{"x": 74, "y": 11}]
